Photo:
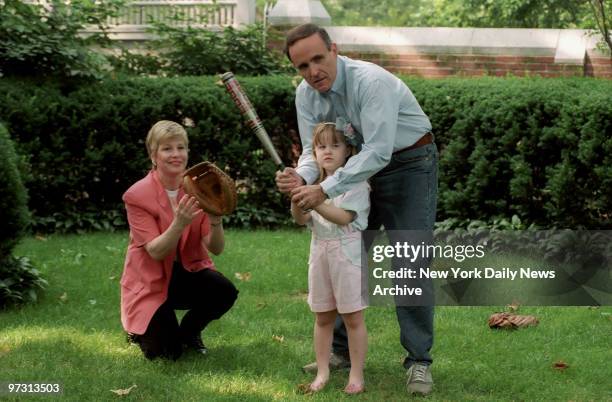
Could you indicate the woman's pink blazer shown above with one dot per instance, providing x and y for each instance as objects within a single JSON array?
[{"x": 144, "y": 283}]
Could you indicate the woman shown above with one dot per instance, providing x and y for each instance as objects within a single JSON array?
[{"x": 167, "y": 266}]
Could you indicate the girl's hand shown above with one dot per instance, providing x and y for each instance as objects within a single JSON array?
[{"x": 186, "y": 210}]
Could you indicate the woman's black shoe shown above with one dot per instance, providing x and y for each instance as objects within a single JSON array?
[{"x": 195, "y": 343}]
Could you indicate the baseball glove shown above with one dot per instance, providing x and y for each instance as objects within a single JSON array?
[
  {"x": 212, "y": 187},
  {"x": 511, "y": 321}
]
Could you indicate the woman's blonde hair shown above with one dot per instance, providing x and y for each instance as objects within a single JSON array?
[
  {"x": 164, "y": 130},
  {"x": 326, "y": 133}
]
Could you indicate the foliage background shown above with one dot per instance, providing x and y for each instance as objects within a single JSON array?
[
  {"x": 536, "y": 148},
  {"x": 463, "y": 13}
]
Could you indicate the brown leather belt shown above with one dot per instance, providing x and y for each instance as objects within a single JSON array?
[{"x": 424, "y": 140}]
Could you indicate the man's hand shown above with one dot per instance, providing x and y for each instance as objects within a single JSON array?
[
  {"x": 308, "y": 197},
  {"x": 288, "y": 180}
]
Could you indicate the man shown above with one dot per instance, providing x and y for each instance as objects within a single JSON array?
[{"x": 397, "y": 154}]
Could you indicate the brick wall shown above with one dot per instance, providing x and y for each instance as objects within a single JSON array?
[{"x": 436, "y": 66}]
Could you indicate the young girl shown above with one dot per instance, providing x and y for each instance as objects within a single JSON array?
[{"x": 334, "y": 272}]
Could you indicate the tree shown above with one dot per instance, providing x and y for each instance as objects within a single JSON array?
[
  {"x": 41, "y": 40},
  {"x": 462, "y": 13},
  {"x": 603, "y": 21}
]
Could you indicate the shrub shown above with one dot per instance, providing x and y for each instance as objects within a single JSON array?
[
  {"x": 191, "y": 50},
  {"x": 13, "y": 197},
  {"x": 60, "y": 131},
  {"x": 535, "y": 148},
  {"x": 18, "y": 279},
  {"x": 38, "y": 40}
]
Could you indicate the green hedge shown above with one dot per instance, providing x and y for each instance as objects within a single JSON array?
[
  {"x": 19, "y": 280},
  {"x": 13, "y": 198},
  {"x": 537, "y": 148}
]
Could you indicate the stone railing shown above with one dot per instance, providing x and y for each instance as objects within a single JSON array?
[
  {"x": 133, "y": 20},
  {"x": 143, "y": 12}
]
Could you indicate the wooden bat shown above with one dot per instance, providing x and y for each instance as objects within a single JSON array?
[{"x": 253, "y": 121}]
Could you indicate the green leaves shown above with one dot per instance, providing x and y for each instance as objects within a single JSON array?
[
  {"x": 191, "y": 50},
  {"x": 19, "y": 281},
  {"x": 37, "y": 41}
]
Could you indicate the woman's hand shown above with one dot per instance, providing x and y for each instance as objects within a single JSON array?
[
  {"x": 214, "y": 220},
  {"x": 186, "y": 210}
]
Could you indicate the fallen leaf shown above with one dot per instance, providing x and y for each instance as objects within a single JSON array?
[
  {"x": 112, "y": 278},
  {"x": 246, "y": 276},
  {"x": 304, "y": 389},
  {"x": 279, "y": 339},
  {"x": 64, "y": 297},
  {"x": 560, "y": 365},
  {"x": 4, "y": 350},
  {"x": 261, "y": 305},
  {"x": 41, "y": 238},
  {"x": 513, "y": 307},
  {"x": 92, "y": 301},
  {"x": 123, "y": 391}
]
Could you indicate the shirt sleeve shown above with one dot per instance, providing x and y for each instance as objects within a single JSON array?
[
  {"x": 357, "y": 200},
  {"x": 143, "y": 226},
  {"x": 205, "y": 225},
  {"x": 379, "y": 115},
  {"x": 307, "y": 166}
]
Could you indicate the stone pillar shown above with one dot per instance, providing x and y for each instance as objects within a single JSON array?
[
  {"x": 295, "y": 12},
  {"x": 245, "y": 12},
  {"x": 287, "y": 14}
]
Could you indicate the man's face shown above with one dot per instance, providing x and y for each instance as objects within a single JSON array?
[{"x": 314, "y": 62}]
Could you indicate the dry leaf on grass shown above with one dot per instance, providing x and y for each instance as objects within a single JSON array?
[
  {"x": 246, "y": 276},
  {"x": 560, "y": 365},
  {"x": 279, "y": 339},
  {"x": 41, "y": 237},
  {"x": 4, "y": 350},
  {"x": 513, "y": 307},
  {"x": 123, "y": 391},
  {"x": 304, "y": 389},
  {"x": 64, "y": 297},
  {"x": 511, "y": 321}
]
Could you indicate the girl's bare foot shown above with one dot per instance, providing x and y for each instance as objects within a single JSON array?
[
  {"x": 315, "y": 386},
  {"x": 319, "y": 383},
  {"x": 354, "y": 388}
]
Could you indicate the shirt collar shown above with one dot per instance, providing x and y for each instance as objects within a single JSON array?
[{"x": 338, "y": 86}]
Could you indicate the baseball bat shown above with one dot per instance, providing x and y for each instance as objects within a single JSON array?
[{"x": 252, "y": 119}]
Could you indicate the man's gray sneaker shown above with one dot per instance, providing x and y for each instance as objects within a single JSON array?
[
  {"x": 336, "y": 362},
  {"x": 419, "y": 379}
]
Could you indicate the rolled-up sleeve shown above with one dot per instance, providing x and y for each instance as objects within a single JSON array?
[{"x": 307, "y": 166}]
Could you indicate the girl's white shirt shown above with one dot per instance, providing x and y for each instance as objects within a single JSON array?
[{"x": 357, "y": 200}]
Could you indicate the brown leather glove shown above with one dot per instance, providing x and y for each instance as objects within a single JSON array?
[
  {"x": 511, "y": 321},
  {"x": 212, "y": 187}
]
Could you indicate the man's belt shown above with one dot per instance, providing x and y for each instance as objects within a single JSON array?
[{"x": 424, "y": 140}]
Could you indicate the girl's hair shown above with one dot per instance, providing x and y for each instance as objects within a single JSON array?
[
  {"x": 164, "y": 130},
  {"x": 326, "y": 133}
]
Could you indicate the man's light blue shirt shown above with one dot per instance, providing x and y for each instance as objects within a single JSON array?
[{"x": 379, "y": 106}]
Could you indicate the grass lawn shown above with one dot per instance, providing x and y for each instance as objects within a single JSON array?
[{"x": 74, "y": 336}]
